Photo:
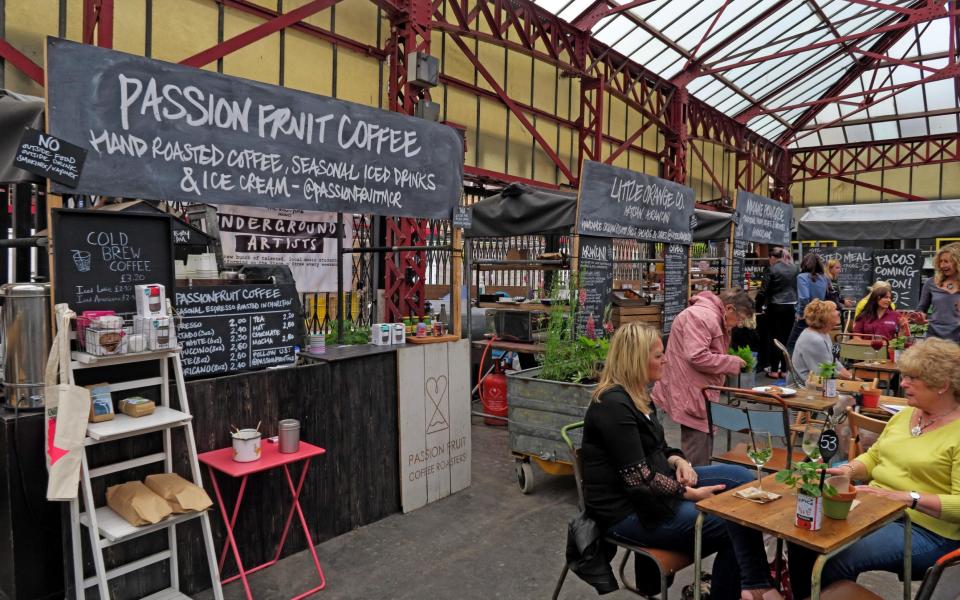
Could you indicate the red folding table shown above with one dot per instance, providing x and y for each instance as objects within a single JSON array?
[{"x": 270, "y": 458}]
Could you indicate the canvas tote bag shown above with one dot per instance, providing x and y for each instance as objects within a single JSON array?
[{"x": 66, "y": 410}]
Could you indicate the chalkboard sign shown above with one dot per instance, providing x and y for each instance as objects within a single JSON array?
[
  {"x": 225, "y": 329},
  {"x": 762, "y": 220},
  {"x": 596, "y": 282},
  {"x": 902, "y": 270},
  {"x": 676, "y": 282},
  {"x": 161, "y": 131},
  {"x": 856, "y": 263},
  {"x": 738, "y": 263},
  {"x": 619, "y": 203},
  {"x": 99, "y": 257},
  {"x": 463, "y": 217},
  {"x": 50, "y": 157}
]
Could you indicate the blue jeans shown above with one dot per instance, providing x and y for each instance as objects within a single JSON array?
[
  {"x": 882, "y": 550},
  {"x": 741, "y": 561}
]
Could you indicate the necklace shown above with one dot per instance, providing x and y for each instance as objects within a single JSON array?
[
  {"x": 950, "y": 286},
  {"x": 919, "y": 428}
]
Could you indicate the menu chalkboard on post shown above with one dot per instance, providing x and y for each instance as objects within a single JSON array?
[
  {"x": 676, "y": 282},
  {"x": 99, "y": 256},
  {"x": 161, "y": 131},
  {"x": 856, "y": 263},
  {"x": 620, "y": 203},
  {"x": 902, "y": 270},
  {"x": 738, "y": 263},
  {"x": 596, "y": 282},
  {"x": 226, "y": 329}
]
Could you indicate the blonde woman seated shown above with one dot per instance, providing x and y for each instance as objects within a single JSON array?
[
  {"x": 643, "y": 492},
  {"x": 814, "y": 345},
  {"x": 915, "y": 461}
]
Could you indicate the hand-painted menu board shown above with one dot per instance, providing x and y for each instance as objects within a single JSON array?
[
  {"x": 762, "y": 220},
  {"x": 856, "y": 264},
  {"x": 225, "y": 329},
  {"x": 676, "y": 282},
  {"x": 99, "y": 257},
  {"x": 619, "y": 203},
  {"x": 596, "y": 282},
  {"x": 902, "y": 270},
  {"x": 738, "y": 263},
  {"x": 166, "y": 132}
]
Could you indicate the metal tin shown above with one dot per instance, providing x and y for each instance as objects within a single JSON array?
[
  {"x": 289, "y": 434},
  {"x": 246, "y": 445},
  {"x": 26, "y": 342}
]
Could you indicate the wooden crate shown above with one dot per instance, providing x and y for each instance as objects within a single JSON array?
[{"x": 652, "y": 315}]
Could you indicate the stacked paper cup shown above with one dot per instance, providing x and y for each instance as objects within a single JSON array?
[{"x": 316, "y": 343}]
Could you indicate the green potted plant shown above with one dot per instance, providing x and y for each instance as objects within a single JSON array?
[
  {"x": 746, "y": 378},
  {"x": 837, "y": 505},
  {"x": 896, "y": 347},
  {"x": 806, "y": 477},
  {"x": 828, "y": 376}
]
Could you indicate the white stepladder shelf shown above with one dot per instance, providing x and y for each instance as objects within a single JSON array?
[{"x": 104, "y": 527}]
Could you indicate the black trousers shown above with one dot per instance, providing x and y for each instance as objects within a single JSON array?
[{"x": 780, "y": 319}]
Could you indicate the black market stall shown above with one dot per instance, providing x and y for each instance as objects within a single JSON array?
[{"x": 251, "y": 144}]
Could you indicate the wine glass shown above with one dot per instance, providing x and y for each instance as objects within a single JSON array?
[
  {"x": 877, "y": 344},
  {"x": 811, "y": 442},
  {"x": 759, "y": 452}
]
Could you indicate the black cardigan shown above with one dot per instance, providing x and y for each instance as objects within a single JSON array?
[{"x": 625, "y": 468}]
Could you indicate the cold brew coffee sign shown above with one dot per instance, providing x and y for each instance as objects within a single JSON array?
[
  {"x": 161, "y": 131},
  {"x": 902, "y": 270},
  {"x": 100, "y": 256},
  {"x": 762, "y": 220},
  {"x": 619, "y": 203},
  {"x": 225, "y": 329}
]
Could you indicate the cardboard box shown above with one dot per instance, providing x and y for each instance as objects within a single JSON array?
[
  {"x": 151, "y": 300},
  {"x": 381, "y": 334},
  {"x": 159, "y": 332},
  {"x": 180, "y": 494},
  {"x": 136, "y": 406},
  {"x": 136, "y": 503}
]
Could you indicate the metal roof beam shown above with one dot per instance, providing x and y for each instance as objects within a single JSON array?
[
  {"x": 600, "y": 10},
  {"x": 895, "y": 117}
]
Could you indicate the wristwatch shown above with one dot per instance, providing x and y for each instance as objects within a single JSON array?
[{"x": 916, "y": 498}]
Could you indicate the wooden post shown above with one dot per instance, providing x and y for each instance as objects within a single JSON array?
[
  {"x": 456, "y": 277},
  {"x": 52, "y": 203}
]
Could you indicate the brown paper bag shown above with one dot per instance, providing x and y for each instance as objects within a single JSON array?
[
  {"x": 182, "y": 495},
  {"x": 137, "y": 504}
]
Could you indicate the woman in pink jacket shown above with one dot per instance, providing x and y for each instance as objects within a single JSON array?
[{"x": 697, "y": 357}]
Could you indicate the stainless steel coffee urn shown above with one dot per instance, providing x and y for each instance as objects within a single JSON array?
[{"x": 26, "y": 342}]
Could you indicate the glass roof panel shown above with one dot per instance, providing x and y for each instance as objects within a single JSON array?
[
  {"x": 941, "y": 124},
  {"x": 913, "y": 127},
  {"x": 886, "y": 130},
  {"x": 792, "y": 26}
]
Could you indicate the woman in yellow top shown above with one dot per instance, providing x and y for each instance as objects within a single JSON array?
[{"x": 915, "y": 461}]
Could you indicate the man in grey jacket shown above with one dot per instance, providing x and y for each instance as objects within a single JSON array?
[{"x": 779, "y": 294}]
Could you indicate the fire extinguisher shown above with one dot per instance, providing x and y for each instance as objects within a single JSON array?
[{"x": 493, "y": 390}]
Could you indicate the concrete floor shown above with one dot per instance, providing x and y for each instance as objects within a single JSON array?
[{"x": 488, "y": 541}]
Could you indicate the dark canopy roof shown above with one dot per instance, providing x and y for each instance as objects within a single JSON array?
[
  {"x": 892, "y": 220},
  {"x": 16, "y": 113},
  {"x": 525, "y": 210}
]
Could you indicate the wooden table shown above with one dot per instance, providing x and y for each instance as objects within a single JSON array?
[
  {"x": 811, "y": 400},
  {"x": 777, "y": 518},
  {"x": 884, "y": 370}
]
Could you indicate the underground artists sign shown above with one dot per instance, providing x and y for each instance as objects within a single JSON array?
[
  {"x": 762, "y": 220},
  {"x": 619, "y": 203},
  {"x": 161, "y": 131}
]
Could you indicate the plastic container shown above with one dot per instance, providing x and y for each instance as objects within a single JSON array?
[
  {"x": 871, "y": 398},
  {"x": 289, "y": 436}
]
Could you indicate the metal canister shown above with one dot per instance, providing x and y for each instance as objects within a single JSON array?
[
  {"x": 26, "y": 342},
  {"x": 289, "y": 434}
]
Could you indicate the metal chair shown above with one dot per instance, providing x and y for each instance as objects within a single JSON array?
[
  {"x": 794, "y": 376},
  {"x": 848, "y": 590},
  {"x": 749, "y": 411},
  {"x": 665, "y": 562},
  {"x": 858, "y": 422}
]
